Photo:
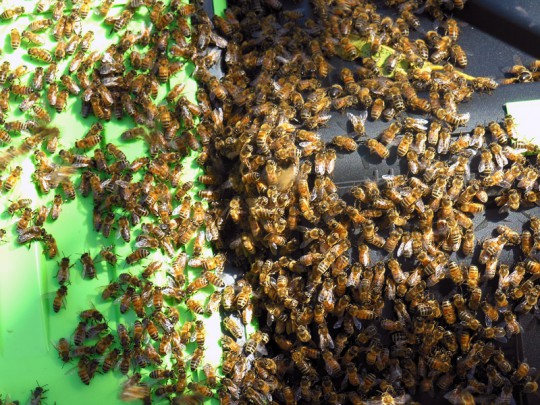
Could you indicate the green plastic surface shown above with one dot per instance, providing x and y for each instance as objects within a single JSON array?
[{"x": 28, "y": 326}]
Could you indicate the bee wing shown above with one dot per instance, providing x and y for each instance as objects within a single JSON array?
[
  {"x": 298, "y": 393},
  {"x": 344, "y": 382},
  {"x": 504, "y": 209},
  {"x": 483, "y": 166},
  {"x": 261, "y": 349},
  {"x": 72, "y": 370},
  {"x": 501, "y": 339},
  {"x": 49, "y": 295},
  {"x": 517, "y": 62},
  {"x": 501, "y": 160},
  {"x": 358, "y": 119},
  {"x": 118, "y": 299},
  {"x": 420, "y": 124},
  {"x": 219, "y": 41},
  {"x": 404, "y": 247},
  {"x": 338, "y": 323},
  {"x": 306, "y": 242},
  {"x": 357, "y": 323},
  {"x": 143, "y": 243},
  {"x": 305, "y": 144}
]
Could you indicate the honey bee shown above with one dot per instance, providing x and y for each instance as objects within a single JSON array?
[
  {"x": 459, "y": 55},
  {"x": 377, "y": 108},
  {"x": 389, "y": 134},
  {"x": 60, "y": 298},
  {"x": 15, "y": 37},
  {"x": 11, "y": 13},
  {"x": 232, "y": 326},
  {"x": 57, "y": 204},
  {"x": 24, "y": 221},
  {"x": 89, "y": 269},
  {"x": 375, "y": 147},
  {"x": 358, "y": 122},
  {"x": 137, "y": 255},
  {"x": 195, "y": 306},
  {"x": 345, "y": 143},
  {"x": 61, "y": 100},
  {"x": 349, "y": 49},
  {"x": 397, "y": 273},
  {"x": 13, "y": 178}
]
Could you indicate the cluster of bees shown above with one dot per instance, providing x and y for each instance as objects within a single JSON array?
[
  {"x": 343, "y": 326},
  {"x": 147, "y": 200},
  {"x": 336, "y": 326}
]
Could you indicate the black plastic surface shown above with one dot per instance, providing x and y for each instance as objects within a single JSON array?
[{"x": 514, "y": 22}]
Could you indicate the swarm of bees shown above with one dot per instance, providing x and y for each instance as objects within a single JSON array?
[
  {"x": 342, "y": 326},
  {"x": 336, "y": 326},
  {"x": 146, "y": 201}
]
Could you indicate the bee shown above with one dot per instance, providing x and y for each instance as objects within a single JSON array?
[
  {"x": 200, "y": 334},
  {"x": 64, "y": 348},
  {"x": 24, "y": 221},
  {"x": 498, "y": 133},
  {"x": 232, "y": 326},
  {"x": 35, "y": 39},
  {"x": 57, "y": 205},
  {"x": 38, "y": 395},
  {"x": 389, "y": 134},
  {"x": 19, "y": 205},
  {"x": 87, "y": 369},
  {"x": 15, "y": 37},
  {"x": 394, "y": 96},
  {"x": 104, "y": 7},
  {"x": 123, "y": 229},
  {"x": 358, "y": 122},
  {"x": 375, "y": 147},
  {"x": 61, "y": 100},
  {"x": 70, "y": 84},
  {"x": 210, "y": 374},
  {"x": 195, "y": 306},
  {"x": 116, "y": 152},
  {"x": 62, "y": 276},
  {"x": 11, "y": 13},
  {"x": 196, "y": 359},
  {"x": 512, "y": 325},
  {"x": 89, "y": 270},
  {"x": 526, "y": 241},
  {"x": 137, "y": 255},
  {"x": 60, "y": 298},
  {"x": 197, "y": 284},
  {"x": 42, "y": 115},
  {"x": 345, "y": 143},
  {"x": 459, "y": 55},
  {"x": 484, "y": 84},
  {"x": 350, "y": 51},
  {"x": 397, "y": 273},
  {"x": 111, "y": 360},
  {"x": 103, "y": 344},
  {"x": 13, "y": 178},
  {"x": 344, "y": 102},
  {"x": 87, "y": 40},
  {"x": 121, "y": 21}
]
